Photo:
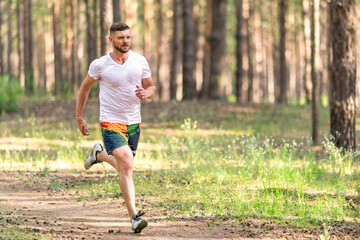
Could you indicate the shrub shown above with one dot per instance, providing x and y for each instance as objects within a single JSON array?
[{"x": 10, "y": 92}]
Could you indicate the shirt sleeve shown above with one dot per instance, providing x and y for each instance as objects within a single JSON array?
[
  {"x": 94, "y": 70},
  {"x": 146, "y": 69}
]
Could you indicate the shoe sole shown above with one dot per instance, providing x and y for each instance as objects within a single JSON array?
[
  {"x": 86, "y": 160},
  {"x": 141, "y": 226}
]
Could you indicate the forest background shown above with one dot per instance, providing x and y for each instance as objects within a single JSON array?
[
  {"x": 240, "y": 86},
  {"x": 48, "y": 45},
  {"x": 238, "y": 51}
]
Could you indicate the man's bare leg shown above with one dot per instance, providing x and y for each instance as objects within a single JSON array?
[
  {"x": 105, "y": 157},
  {"x": 122, "y": 161}
]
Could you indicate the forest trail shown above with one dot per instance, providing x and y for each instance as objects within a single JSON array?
[
  {"x": 36, "y": 203},
  {"x": 60, "y": 204}
]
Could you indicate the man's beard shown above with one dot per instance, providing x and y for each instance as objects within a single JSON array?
[{"x": 120, "y": 49}]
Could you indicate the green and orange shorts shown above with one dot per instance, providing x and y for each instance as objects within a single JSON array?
[{"x": 116, "y": 135}]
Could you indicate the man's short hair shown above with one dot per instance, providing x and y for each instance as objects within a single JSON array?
[{"x": 118, "y": 27}]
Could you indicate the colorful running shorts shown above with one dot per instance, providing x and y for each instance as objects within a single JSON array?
[{"x": 116, "y": 135}]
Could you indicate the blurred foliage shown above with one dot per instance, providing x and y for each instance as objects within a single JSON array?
[{"x": 10, "y": 93}]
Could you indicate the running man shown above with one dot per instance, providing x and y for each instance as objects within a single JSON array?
[{"x": 124, "y": 80}]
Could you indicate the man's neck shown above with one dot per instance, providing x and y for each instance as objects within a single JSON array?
[{"x": 119, "y": 57}]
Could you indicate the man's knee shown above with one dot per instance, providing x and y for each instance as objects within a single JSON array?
[
  {"x": 126, "y": 166},
  {"x": 124, "y": 160}
]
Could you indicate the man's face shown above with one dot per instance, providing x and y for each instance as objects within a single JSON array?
[{"x": 121, "y": 40}]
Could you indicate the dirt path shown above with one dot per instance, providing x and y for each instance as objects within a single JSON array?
[{"x": 30, "y": 201}]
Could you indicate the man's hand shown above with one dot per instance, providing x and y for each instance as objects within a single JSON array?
[
  {"x": 141, "y": 92},
  {"x": 82, "y": 126}
]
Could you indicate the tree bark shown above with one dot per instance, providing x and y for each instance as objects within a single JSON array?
[
  {"x": 314, "y": 80},
  {"x": 189, "y": 85},
  {"x": 239, "y": 50},
  {"x": 159, "y": 44},
  {"x": 217, "y": 46},
  {"x": 148, "y": 16},
  {"x": 70, "y": 42},
  {"x": 140, "y": 24},
  {"x": 175, "y": 49},
  {"x": 116, "y": 11},
  {"x": 28, "y": 48},
  {"x": 91, "y": 43},
  {"x": 41, "y": 53},
  {"x": 283, "y": 68},
  {"x": 2, "y": 67},
  {"x": 10, "y": 40},
  {"x": 204, "y": 94},
  {"x": 343, "y": 74},
  {"x": 78, "y": 36},
  {"x": 19, "y": 36},
  {"x": 250, "y": 47},
  {"x": 307, "y": 50},
  {"x": 103, "y": 28},
  {"x": 298, "y": 48},
  {"x": 59, "y": 76}
]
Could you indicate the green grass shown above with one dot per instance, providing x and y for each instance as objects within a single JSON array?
[
  {"x": 255, "y": 177},
  {"x": 223, "y": 162}
]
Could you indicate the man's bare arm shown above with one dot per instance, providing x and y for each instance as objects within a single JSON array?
[{"x": 80, "y": 104}]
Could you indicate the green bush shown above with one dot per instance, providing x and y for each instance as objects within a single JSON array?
[{"x": 10, "y": 92}]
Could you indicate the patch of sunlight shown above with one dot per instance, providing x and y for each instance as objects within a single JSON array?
[
  {"x": 59, "y": 164},
  {"x": 198, "y": 132},
  {"x": 16, "y": 143},
  {"x": 143, "y": 161},
  {"x": 19, "y": 144}
]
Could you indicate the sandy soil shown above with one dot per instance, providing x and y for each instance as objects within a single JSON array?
[{"x": 30, "y": 201}]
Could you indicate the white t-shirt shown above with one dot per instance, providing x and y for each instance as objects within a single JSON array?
[{"x": 118, "y": 102}]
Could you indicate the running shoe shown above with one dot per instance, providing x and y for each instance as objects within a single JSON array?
[
  {"x": 91, "y": 159},
  {"x": 137, "y": 223}
]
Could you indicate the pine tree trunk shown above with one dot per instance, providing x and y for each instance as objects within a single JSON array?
[
  {"x": 58, "y": 61},
  {"x": 175, "y": 47},
  {"x": 260, "y": 55},
  {"x": 77, "y": 39},
  {"x": 217, "y": 47},
  {"x": 103, "y": 28},
  {"x": 10, "y": 40},
  {"x": 148, "y": 15},
  {"x": 298, "y": 51},
  {"x": 159, "y": 44},
  {"x": 70, "y": 42},
  {"x": 204, "y": 94},
  {"x": 28, "y": 48},
  {"x": 250, "y": 47},
  {"x": 19, "y": 37},
  {"x": 189, "y": 85},
  {"x": 315, "y": 97},
  {"x": 91, "y": 43},
  {"x": 329, "y": 50},
  {"x": 2, "y": 67},
  {"x": 307, "y": 50},
  {"x": 283, "y": 68},
  {"x": 239, "y": 50},
  {"x": 140, "y": 24},
  {"x": 343, "y": 74},
  {"x": 116, "y": 11},
  {"x": 275, "y": 53},
  {"x": 41, "y": 52}
]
